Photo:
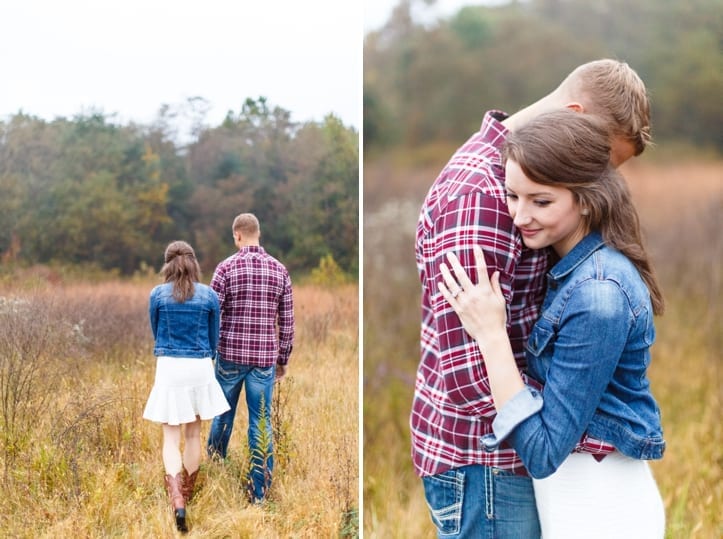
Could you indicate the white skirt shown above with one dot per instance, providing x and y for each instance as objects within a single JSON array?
[
  {"x": 184, "y": 388},
  {"x": 614, "y": 498}
]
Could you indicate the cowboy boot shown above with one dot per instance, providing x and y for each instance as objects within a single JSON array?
[
  {"x": 174, "y": 486},
  {"x": 189, "y": 481}
]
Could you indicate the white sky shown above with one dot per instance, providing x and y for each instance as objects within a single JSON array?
[{"x": 128, "y": 57}]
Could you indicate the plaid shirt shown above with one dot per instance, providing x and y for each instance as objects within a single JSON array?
[
  {"x": 257, "y": 308},
  {"x": 453, "y": 407}
]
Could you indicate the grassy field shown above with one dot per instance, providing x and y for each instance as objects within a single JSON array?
[
  {"x": 681, "y": 207},
  {"x": 77, "y": 459}
]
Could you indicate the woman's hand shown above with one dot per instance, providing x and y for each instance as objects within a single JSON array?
[{"x": 481, "y": 307}]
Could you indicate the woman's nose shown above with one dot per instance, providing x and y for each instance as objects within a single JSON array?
[{"x": 520, "y": 216}]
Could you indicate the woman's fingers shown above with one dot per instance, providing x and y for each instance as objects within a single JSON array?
[
  {"x": 479, "y": 258},
  {"x": 496, "y": 287},
  {"x": 447, "y": 294},
  {"x": 459, "y": 272},
  {"x": 483, "y": 279},
  {"x": 480, "y": 265},
  {"x": 455, "y": 283},
  {"x": 464, "y": 280},
  {"x": 449, "y": 281}
]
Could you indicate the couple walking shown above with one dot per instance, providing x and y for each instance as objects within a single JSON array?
[
  {"x": 532, "y": 412},
  {"x": 245, "y": 320}
]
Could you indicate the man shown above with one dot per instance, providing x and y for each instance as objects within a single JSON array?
[
  {"x": 472, "y": 492},
  {"x": 256, "y": 338}
]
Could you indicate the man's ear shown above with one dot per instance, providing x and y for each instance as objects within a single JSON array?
[{"x": 574, "y": 105}]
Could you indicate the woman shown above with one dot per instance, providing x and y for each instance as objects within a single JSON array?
[
  {"x": 184, "y": 318},
  {"x": 590, "y": 347}
]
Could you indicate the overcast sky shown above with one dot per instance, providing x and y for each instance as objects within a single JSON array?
[{"x": 128, "y": 57}]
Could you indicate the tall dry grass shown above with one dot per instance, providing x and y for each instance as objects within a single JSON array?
[
  {"x": 78, "y": 460},
  {"x": 681, "y": 207}
]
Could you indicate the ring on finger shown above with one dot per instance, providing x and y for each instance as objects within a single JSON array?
[{"x": 457, "y": 293}]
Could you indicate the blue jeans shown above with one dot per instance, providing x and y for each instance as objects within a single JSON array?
[
  {"x": 481, "y": 502},
  {"x": 259, "y": 386}
]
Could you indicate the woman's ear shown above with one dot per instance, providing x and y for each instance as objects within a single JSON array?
[{"x": 577, "y": 107}]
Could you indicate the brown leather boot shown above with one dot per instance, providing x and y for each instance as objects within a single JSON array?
[
  {"x": 174, "y": 486},
  {"x": 189, "y": 481}
]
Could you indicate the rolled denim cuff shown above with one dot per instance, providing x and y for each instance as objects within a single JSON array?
[{"x": 522, "y": 405}]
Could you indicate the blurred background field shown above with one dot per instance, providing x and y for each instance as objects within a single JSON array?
[
  {"x": 77, "y": 459},
  {"x": 426, "y": 88}
]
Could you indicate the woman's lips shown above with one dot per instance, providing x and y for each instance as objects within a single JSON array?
[{"x": 529, "y": 232}]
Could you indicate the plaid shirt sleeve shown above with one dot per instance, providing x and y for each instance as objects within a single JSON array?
[
  {"x": 472, "y": 219},
  {"x": 286, "y": 323},
  {"x": 218, "y": 283}
]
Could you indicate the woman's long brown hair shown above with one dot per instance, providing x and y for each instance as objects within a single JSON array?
[
  {"x": 181, "y": 268},
  {"x": 572, "y": 150}
]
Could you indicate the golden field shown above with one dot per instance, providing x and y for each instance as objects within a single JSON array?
[
  {"x": 680, "y": 206},
  {"x": 77, "y": 459}
]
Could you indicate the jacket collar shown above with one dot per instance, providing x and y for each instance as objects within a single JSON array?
[{"x": 577, "y": 255}]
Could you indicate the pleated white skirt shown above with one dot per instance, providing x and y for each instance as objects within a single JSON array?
[
  {"x": 614, "y": 498},
  {"x": 183, "y": 389}
]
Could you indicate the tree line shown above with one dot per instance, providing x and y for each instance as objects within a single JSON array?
[
  {"x": 87, "y": 191},
  {"x": 427, "y": 83}
]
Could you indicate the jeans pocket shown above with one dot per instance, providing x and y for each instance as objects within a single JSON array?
[
  {"x": 226, "y": 370},
  {"x": 445, "y": 494},
  {"x": 262, "y": 373}
]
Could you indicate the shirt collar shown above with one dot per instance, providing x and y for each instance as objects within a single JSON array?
[
  {"x": 492, "y": 130},
  {"x": 251, "y": 249},
  {"x": 577, "y": 255},
  {"x": 493, "y": 133}
]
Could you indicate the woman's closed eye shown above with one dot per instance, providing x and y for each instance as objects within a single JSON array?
[{"x": 541, "y": 202}]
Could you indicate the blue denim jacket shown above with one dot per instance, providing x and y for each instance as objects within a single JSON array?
[
  {"x": 188, "y": 329},
  {"x": 591, "y": 349}
]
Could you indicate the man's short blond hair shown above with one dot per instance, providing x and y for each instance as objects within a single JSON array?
[
  {"x": 247, "y": 224},
  {"x": 612, "y": 90}
]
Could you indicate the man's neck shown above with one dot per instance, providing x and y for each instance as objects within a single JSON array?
[
  {"x": 250, "y": 243},
  {"x": 553, "y": 101}
]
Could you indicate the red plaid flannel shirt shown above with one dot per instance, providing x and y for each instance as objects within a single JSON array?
[{"x": 257, "y": 308}]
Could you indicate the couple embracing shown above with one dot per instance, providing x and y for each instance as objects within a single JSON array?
[{"x": 532, "y": 412}]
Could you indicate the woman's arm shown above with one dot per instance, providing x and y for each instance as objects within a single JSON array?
[
  {"x": 153, "y": 313},
  {"x": 588, "y": 343},
  {"x": 581, "y": 368}
]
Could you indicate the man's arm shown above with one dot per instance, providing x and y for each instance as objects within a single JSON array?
[
  {"x": 471, "y": 220},
  {"x": 286, "y": 323},
  {"x": 218, "y": 283}
]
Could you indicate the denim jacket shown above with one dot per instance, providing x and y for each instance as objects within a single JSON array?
[
  {"x": 591, "y": 349},
  {"x": 188, "y": 329}
]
